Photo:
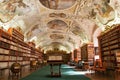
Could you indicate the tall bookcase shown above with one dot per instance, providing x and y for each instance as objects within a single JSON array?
[
  {"x": 109, "y": 45},
  {"x": 5, "y": 41},
  {"x": 14, "y": 49},
  {"x": 87, "y": 52}
]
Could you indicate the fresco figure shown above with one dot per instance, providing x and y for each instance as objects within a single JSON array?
[
  {"x": 57, "y": 4},
  {"x": 105, "y": 12},
  {"x": 8, "y": 9}
]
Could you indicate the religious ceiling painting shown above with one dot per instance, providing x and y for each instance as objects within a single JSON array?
[
  {"x": 57, "y": 4},
  {"x": 57, "y": 25},
  {"x": 79, "y": 32},
  {"x": 56, "y": 36},
  {"x": 76, "y": 30},
  {"x": 33, "y": 31},
  {"x": 9, "y": 8},
  {"x": 105, "y": 12}
]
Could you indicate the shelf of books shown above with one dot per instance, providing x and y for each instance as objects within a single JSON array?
[
  {"x": 87, "y": 55},
  {"x": 5, "y": 41},
  {"x": 17, "y": 34},
  {"x": 87, "y": 52},
  {"x": 109, "y": 45},
  {"x": 14, "y": 49}
]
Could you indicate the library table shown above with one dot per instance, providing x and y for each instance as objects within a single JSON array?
[{"x": 55, "y": 63}]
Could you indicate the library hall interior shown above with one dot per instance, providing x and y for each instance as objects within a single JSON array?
[{"x": 59, "y": 39}]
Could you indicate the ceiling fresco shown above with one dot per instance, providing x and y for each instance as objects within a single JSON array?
[
  {"x": 57, "y": 24},
  {"x": 33, "y": 32},
  {"x": 57, "y": 4},
  {"x": 105, "y": 12},
  {"x": 10, "y": 8},
  {"x": 56, "y": 36},
  {"x": 65, "y": 24}
]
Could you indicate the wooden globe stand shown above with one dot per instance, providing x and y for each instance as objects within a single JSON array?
[
  {"x": 33, "y": 65},
  {"x": 15, "y": 71}
]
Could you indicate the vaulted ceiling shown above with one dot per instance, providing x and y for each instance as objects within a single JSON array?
[{"x": 62, "y": 24}]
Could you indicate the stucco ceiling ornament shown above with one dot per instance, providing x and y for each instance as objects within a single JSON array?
[
  {"x": 84, "y": 9},
  {"x": 57, "y": 15},
  {"x": 9, "y": 9}
]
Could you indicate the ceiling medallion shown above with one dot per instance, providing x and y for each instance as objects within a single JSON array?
[
  {"x": 57, "y": 24},
  {"x": 56, "y": 36},
  {"x": 57, "y": 4}
]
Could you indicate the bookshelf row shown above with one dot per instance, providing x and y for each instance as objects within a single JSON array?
[
  {"x": 109, "y": 44},
  {"x": 14, "y": 49},
  {"x": 87, "y": 52},
  {"x": 16, "y": 33}
]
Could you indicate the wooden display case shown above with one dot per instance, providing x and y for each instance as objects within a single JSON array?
[{"x": 109, "y": 45}]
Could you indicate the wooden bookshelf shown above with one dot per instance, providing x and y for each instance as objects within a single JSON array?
[
  {"x": 14, "y": 50},
  {"x": 109, "y": 45},
  {"x": 5, "y": 41},
  {"x": 87, "y": 55},
  {"x": 87, "y": 52},
  {"x": 17, "y": 34},
  {"x": 117, "y": 55}
]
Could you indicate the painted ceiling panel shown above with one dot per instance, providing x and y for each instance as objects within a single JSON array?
[
  {"x": 56, "y": 36},
  {"x": 57, "y": 4},
  {"x": 57, "y": 24}
]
